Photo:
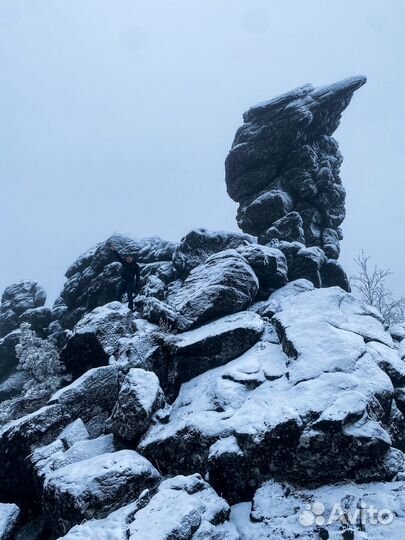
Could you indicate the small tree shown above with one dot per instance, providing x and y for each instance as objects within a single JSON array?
[
  {"x": 370, "y": 283},
  {"x": 40, "y": 358}
]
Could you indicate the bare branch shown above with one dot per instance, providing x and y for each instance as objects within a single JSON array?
[{"x": 372, "y": 289}]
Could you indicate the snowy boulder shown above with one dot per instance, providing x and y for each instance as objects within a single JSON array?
[
  {"x": 94, "y": 487},
  {"x": 224, "y": 284},
  {"x": 374, "y": 511},
  {"x": 140, "y": 396},
  {"x": 58, "y": 454},
  {"x": 210, "y": 346},
  {"x": 199, "y": 244},
  {"x": 159, "y": 312},
  {"x": 306, "y": 323},
  {"x": 184, "y": 507},
  {"x": 16, "y": 299},
  {"x": 96, "y": 337},
  {"x": 288, "y": 228},
  {"x": 269, "y": 264},
  {"x": 9, "y": 518},
  {"x": 113, "y": 527},
  {"x": 397, "y": 331},
  {"x": 39, "y": 318},
  {"x": 333, "y": 275},
  {"x": 90, "y": 395},
  {"x": 307, "y": 264},
  {"x": 388, "y": 360},
  {"x": 253, "y": 212},
  {"x": 216, "y": 405}
]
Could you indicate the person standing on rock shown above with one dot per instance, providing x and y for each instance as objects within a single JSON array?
[{"x": 130, "y": 276}]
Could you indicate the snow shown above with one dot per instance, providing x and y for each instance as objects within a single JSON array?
[
  {"x": 326, "y": 331},
  {"x": 397, "y": 331},
  {"x": 389, "y": 361},
  {"x": 145, "y": 386},
  {"x": 96, "y": 474},
  {"x": 178, "y": 509},
  {"x": 9, "y": 516},
  {"x": 113, "y": 527},
  {"x": 74, "y": 432},
  {"x": 243, "y": 319}
]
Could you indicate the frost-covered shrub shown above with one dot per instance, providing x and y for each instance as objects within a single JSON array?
[{"x": 40, "y": 359}]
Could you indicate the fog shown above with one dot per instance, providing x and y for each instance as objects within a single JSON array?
[{"x": 116, "y": 116}]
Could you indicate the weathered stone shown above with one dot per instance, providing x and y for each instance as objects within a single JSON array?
[
  {"x": 16, "y": 299},
  {"x": 199, "y": 244},
  {"x": 316, "y": 411},
  {"x": 210, "y": 346},
  {"x": 269, "y": 264},
  {"x": 96, "y": 391},
  {"x": 224, "y": 284},
  {"x": 39, "y": 318},
  {"x": 283, "y": 167},
  {"x": 140, "y": 396},
  {"x": 95, "y": 487},
  {"x": 96, "y": 338}
]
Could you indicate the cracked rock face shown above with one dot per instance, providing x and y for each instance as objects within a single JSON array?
[{"x": 283, "y": 168}]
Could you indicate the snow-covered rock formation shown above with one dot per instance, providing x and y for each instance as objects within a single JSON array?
[{"x": 250, "y": 396}]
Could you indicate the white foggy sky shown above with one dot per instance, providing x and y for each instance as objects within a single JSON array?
[{"x": 117, "y": 116}]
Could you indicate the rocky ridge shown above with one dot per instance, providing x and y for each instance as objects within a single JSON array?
[{"x": 249, "y": 392}]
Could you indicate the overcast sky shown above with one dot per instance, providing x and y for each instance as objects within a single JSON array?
[{"x": 117, "y": 115}]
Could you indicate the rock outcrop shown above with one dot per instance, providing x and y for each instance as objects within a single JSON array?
[
  {"x": 283, "y": 168},
  {"x": 247, "y": 393},
  {"x": 16, "y": 300},
  {"x": 94, "y": 279}
]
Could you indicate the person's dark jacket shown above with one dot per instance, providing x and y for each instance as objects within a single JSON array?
[{"x": 130, "y": 270}]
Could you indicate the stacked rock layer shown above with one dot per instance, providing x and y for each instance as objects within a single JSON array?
[{"x": 283, "y": 168}]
